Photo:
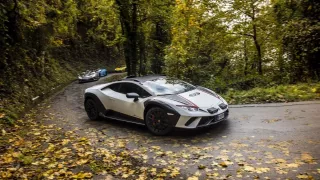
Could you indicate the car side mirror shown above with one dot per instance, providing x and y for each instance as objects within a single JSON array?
[{"x": 135, "y": 96}]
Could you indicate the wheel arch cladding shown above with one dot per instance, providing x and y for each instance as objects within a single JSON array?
[
  {"x": 173, "y": 119},
  {"x": 99, "y": 104}
]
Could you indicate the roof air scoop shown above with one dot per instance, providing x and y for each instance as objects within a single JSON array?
[{"x": 212, "y": 110}]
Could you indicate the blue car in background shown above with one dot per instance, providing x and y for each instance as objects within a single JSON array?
[{"x": 102, "y": 72}]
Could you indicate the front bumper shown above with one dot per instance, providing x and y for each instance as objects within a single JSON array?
[{"x": 188, "y": 122}]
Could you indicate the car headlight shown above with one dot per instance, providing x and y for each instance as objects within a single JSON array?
[
  {"x": 79, "y": 77},
  {"x": 188, "y": 108}
]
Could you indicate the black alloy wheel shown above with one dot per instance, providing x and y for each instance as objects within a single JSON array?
[
  {"x": 91, "y": 109},
  {"x": 157, "y": 121}
]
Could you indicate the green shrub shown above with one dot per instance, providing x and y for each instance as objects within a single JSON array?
[{"x": 281, "y": 93}]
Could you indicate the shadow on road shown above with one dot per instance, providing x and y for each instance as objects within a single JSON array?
[{"x": 214, "y": 130}]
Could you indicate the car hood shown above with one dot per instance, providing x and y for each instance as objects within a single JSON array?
[{"x": 202, "y": 99}]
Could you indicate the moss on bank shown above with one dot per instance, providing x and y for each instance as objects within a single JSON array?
[{"x": 27, "y": 85}]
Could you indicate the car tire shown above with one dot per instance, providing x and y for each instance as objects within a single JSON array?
[
  {"x": 156, "y": 120},
  {"x": 91, "y": 109}
]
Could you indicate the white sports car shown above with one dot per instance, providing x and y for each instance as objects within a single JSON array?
[{"x": 159, "y": 102}]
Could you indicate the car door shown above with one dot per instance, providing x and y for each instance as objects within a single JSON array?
[
  {"x": 109, "y": 94},
  {"x": 128, "y": 106}
]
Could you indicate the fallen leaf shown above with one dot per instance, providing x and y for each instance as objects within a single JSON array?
[
  {"x": 2, "y": 115},
  {"x": 249, "y": 168},
  {"x": 193, "y": 178},
  {"x": 82, "y": 175},
  {"x": 303, "y": 176},
  {"x": 262, "y": 170},
  {"x": 223, "y": 164},
  {"x": 292, "y": 165},
  {"x": 3, "y": 132},
  {"x": 307, "y": 158}
]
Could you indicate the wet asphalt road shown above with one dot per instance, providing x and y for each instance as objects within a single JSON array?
[{"x": 257, "y": 141}]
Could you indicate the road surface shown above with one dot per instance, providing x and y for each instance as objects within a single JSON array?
[{"x": 257, "y": 141}]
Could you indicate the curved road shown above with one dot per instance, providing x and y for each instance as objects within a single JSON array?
[{"x": 257, "y": 141}]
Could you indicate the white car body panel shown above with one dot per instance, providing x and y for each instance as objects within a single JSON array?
[
  {"x": 127, "y": 106},
  {"x": 202, "y": 100}
]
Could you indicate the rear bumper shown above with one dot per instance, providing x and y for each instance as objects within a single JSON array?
[
  {"x": 186, "y": 122},
  {"x": 88, "y": 80}
]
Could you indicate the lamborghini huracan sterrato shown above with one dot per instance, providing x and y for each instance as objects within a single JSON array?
[
  {"x": 159, "y": 102},
  {"x": 88, "y": 76},
  {"x": 120, "y": 69}
]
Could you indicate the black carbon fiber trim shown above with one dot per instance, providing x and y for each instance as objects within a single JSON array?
[
  {"x": 191, "y": 120},
  {"x": 173, "y": 115},
  {"x": 100, "y": 106}
]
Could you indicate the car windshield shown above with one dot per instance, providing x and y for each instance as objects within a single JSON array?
[{"x": 165, "y": 86}]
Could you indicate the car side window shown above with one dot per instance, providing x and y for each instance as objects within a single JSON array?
[
  {"x": 133, "y": 88},
  {"x": 115, "y": 87}
]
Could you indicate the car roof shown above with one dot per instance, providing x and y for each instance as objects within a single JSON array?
[{"x": 143, "y": 79}]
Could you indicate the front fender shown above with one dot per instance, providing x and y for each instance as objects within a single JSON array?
[
  {"x": 100, "y": 107},
  {"x": 173, "y": 115}
]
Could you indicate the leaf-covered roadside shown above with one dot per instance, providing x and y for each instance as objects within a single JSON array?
[
  {"x": 281, "y": 93},
  {"x": 30, "y": 149}
]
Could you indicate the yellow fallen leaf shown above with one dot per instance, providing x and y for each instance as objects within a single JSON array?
[
  {"x": 174, "y": 173},
  {"x": 249, "y": 168},
  {"x": 307, "y": 158},
  {"x": 82, "y": 161},
  {"x": 7, "y": 159},
  {"x": 223, "y": 164},
  {"x": 3, "y": 132},
  {"x": 121, "y": 145},
  {"x": 60, "y": 166},
  {"x": 37, "y": 133},
  {"x": 83, "y": 139},
  {"x": 2, "y": 115},
  {"x": 65, "y": 141},
  {"x": 292, "y": 165},
  {"x": 16, "y": 154},
  {"x": 303, "y": 176},
  {"x": 213, "y": 174},
  {"x": 280, "y": 161},
  {"x": 197, "y": 173},
  {"x": 262, "y": 170},
  {"x": 52, "y": 165},
  {"x": 193, "y": 178},
  {"x": 145, "y": 157},
  {"x": 82, "y": 175},
  {"x": 6, "y": 175}
]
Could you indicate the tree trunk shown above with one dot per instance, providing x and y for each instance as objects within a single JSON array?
[
  {"x": 256, "y": 43},
  {"x": 134, "y": 39},
  {"x": 129, "y": 30},
  {"x": 142, "y": 54},
  {"x": 126, "y": 46},
  {"x": 255, "y": 39},
  {"x": 245, "y": 57}
]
